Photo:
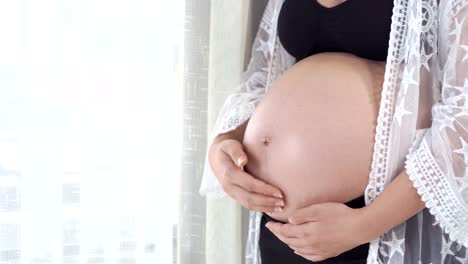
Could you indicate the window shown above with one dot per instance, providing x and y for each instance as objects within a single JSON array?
[{"x": 90, "y": 130}]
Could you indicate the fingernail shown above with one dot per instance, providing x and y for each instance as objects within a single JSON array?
[
  {"x": 280, "y": 203},
  {"x": 278, "y": 195},
  {"x": 239, "y": 161},
  {"x": 278, "y": 209}
]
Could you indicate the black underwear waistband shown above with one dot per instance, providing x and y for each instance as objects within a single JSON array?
[{"x": 358, "y": 202}]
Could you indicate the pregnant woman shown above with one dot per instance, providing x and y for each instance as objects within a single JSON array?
[{"x": 302, "y": 155}]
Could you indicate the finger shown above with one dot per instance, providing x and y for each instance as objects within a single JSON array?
[
  {"x": 256, "y": 202},
  {"x": 236, "y": 154},
  {"x": 235, "y": 151},
  {"x": 305, "y": 251},
  {"x": 237, "y": 176},
  {"x": 307, "y": 214},
  {"x": 292, "y": 230},
  {"x": 291, "y": 241},
  {"x": 315, "y": 258},
  {"x": 251, "y": 184}
]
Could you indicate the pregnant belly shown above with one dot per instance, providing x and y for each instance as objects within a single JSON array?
[{"x": 312, "y": 134}]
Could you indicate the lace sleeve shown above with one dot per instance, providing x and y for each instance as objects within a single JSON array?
[
  {"x": 438, "y": 164},
  {"x": 268, "y": 58}
]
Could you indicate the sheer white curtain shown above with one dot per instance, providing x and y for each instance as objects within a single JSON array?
[
  {"x": 90, "y": 130},
  {"x": 209, "y": 231},
  {"x": 221, "y": 31},
  {"x": 195, "y": 82},
  {"x": 233, "y": 26},
  {"x": 105, "y": 109}
]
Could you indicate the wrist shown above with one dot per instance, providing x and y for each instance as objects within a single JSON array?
[
  {"x": 369, "y": 229},
  {"x": 228, "y": 135}
]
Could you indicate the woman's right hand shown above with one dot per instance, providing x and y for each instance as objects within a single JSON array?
[{"x": 227, "y": 159}]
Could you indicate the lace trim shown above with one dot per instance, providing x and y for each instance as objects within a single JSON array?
[
  {"x": 273, "y": 63},
  {"x": 380, "y": 165},
  {"x": 252, "y": 250},
  {"x": 456, "y": 6},
  {"x": 437, "y": 194},
  {"x": 236, "y": 116}
]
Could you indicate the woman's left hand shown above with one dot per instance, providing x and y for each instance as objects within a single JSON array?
[{"x": 322, "y": 231}]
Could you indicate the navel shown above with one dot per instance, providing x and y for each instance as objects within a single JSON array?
[{"x": 266, "y": 141}]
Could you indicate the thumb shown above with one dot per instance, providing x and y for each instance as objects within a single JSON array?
[
  {"x": 234, "y": 150},
  {"x": 307, "y": 214}
]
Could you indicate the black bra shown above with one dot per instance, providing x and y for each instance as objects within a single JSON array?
[{"x": 360, "y": 27}]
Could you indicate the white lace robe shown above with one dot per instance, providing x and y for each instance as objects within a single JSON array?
[{"x": 428, "y": 55}]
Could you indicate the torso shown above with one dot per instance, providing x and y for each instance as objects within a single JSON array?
[{"x": 312, "y": 134}]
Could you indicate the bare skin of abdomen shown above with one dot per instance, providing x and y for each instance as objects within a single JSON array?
[{"x": 312, "y": 134}]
